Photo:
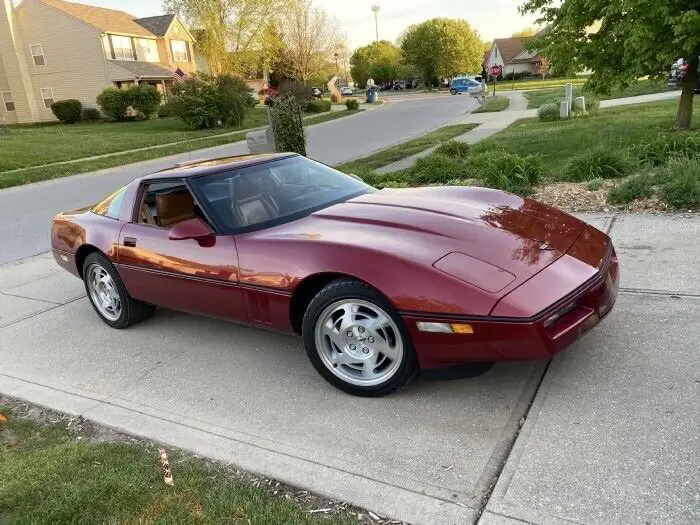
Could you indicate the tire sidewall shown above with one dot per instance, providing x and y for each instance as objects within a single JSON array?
[
  {"x": 103, "y": 262},
  {"x": 453, "y": 91},
  {"x": 339, "y": 290}
]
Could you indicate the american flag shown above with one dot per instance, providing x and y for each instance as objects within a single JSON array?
[{"x": 179, "y": 75}]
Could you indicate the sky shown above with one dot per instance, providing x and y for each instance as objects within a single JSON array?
[{"x": 492, "y": 18}]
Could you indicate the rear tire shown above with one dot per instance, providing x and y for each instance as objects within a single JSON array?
[
  {"x": 357, "y": 341},
  {"x": 108, "y": 294}
]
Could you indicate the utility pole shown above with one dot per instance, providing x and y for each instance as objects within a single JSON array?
[{"x": 375, "y": 10}]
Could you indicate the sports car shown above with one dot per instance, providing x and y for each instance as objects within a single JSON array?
[{"x": 380, "y": 284}]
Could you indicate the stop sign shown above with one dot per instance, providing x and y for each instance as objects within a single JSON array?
[{"x": 495, "y": 70}]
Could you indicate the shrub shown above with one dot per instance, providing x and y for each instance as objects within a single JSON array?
[
  {"x": 436, "y": 169},
  {"x": 507, "y": 171},
  {"x": 91, "y": 114},
  {"x": 287, "y": 125},
  {"x": 67, "y": 111},
  {"x": 301, "y": 92},
  {"x": 336, "y": 98},
  {"x": 352, "y": 104},
  {"x": 146, "y": 100},
  {"x": 115, "y": 102},
  {"x": 638, "y": 186},
  {"x": 166, "y": 110},
  {"x": 595, "y": 184},
  {"x": 681, "y": 182},
  {"x": 317, "y": 106},
  {"x": 666, "y": 145},
  {"x": 453, "y": 149},
  {"x": 548, "y": 112},
  {"x": 232, "y": 100},
  {"x": 592, "y": 103},
  {"x": 597, "y": 162}
]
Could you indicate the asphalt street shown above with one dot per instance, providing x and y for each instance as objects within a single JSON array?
[{"x": 26, "y": 211}]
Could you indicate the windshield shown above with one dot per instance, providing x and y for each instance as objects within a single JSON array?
[{"x": 274, "y": 192}]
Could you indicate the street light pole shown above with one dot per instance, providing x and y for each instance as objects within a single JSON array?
[{"x": 375, "y": 10}]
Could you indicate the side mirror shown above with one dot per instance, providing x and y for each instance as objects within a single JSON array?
[
  {"x": 194, "y": 228},
  {"x": 355, "y": 177}
]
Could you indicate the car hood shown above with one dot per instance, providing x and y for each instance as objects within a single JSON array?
[{"x": 515, "y": 235}]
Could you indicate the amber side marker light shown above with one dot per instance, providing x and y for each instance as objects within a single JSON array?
[{"x": 445, "y": 328}]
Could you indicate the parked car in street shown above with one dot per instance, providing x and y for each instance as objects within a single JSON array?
[
  {"x": 346, "y": 90},
  {"x": 464, "y": 85},
  {"x": 399, "y": 85},
  {"x": 380, "y": 284},
  {"x": 316, "y": 93},
  {"x": 677, "y": 74},
  {"x": 254, "y": 97}
]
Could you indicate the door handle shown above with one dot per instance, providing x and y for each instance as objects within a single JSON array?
[{"x": 130, "y": 242}]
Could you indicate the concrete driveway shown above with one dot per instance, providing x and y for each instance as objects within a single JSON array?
[{"x": 611, "y": 436}]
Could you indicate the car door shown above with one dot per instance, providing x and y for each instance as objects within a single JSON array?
[{"x": 197, "y": 276}]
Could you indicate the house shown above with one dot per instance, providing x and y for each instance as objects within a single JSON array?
[
  {"x": 511, "y": 55},
  {"x": 55, "y": 50}
]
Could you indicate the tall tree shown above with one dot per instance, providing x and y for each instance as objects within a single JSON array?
[
  {"x": 231, "y": 33},
  {"x": 528, "y": 31},
  {"x": 379, "y": 60},
  {"x": 634, "y": 38},
  {"x": 311, "y": 37},
  {"x": 442, "y": 47}
]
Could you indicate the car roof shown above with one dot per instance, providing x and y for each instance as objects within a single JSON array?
[{"x": 205, "y": 167}]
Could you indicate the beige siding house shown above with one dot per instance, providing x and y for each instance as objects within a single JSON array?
[{"x": 54, "y": 50}]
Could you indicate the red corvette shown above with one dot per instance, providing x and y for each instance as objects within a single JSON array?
[{"x": 380, "y": 284}]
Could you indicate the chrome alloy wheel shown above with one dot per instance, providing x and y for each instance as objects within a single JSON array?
[
  {"x": 359, "y": 342},
  {"x": 103, "y": 292}
]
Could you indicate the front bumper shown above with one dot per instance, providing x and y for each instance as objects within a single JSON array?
[{"x": 504, "y": 338}]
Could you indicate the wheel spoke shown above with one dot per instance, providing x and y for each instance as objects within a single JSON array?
[{"x": 341, "y": 358}]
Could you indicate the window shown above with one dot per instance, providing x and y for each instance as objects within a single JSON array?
[
  {"x": 149, "y": 48},
  {"x": 165, "y": 204},
  {"x": 47, "y": 96},
  {"x": 180, "y": 51},
  {"x": 112, "y": 206},
  {"x": 274, "y": 192},
  {"x": 121, "y": 47},
  {"x": 37, "y": 55},
  {"x": 8, "y": 101}
]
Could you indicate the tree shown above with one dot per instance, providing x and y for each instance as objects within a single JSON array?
[
  {"x": 528, "y": 31},
  {"x": 231, "y": 34},
  {"x": 379, "y": 60},
  {"x": 635, "y": 38},
  {"x": 543, "y": 66},
  {"x": 310, "y": 37},
  {"x": 443, "y": 47}
]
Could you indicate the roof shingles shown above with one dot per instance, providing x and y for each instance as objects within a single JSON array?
[
  {"x": 158, "y": 25},
  {"x": 108, "y": 20}
]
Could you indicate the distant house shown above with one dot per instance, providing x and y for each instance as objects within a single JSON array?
[
  {"x": 511, "y": 55},
  {"x": 54, "y": 50}
]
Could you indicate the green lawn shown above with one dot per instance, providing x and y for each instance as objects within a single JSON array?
[
  {"x": 546, "y": 96},
  {"x": 535, "y": 83},
  {"x": 493, "y": 104},
  {"x": 41, "y": 173},
  {"x": 405, "y": 149},
  {"x": 48, "y": 477},
  {"x": 614, "y": 128}
]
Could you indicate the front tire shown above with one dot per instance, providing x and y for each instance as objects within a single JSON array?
[
  {"x": 108, "y": 294},
  {"x": 356, "y": 340},
  {"x": 453, "y": 91}
]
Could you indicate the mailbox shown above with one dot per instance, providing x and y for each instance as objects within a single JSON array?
[{"x": 261, "y": 141}]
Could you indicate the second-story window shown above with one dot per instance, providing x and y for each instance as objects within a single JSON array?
[
  {"x": 180, "y": 52},
  {"x": 149, "y": 49},
  {"x": 37, "y": 55},
  {"x": 122, "y": 48}
]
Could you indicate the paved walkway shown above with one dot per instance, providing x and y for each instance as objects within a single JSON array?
[{"x": 611, "y": 436}]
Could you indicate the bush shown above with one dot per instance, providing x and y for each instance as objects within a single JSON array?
[
  {"x": 166, "y": 110},
  {"x": 301, "y": 92},
  {"x": 352, "y": 104},
  {"x": 681, "y": 182},
  {"x": 146, "y": 100},
  {"x": 67, "y": 111},
  {"x": 287, "y": 125},
  {"x": 548, "y": 112},
  {"x": 507, "y": 171},
  {"x": 595, "y": 184},
  {"x": 336, "y": 98},
  {"x": 317, "y": 106},
  {"x": 91, "y": 114},
  {"x": 436, "y": 169},
  {"x": 206, "y": 101},
  {"x": 638, "y": 186},
  {"x": 453, "y": 149},
  {"x": 592, "y": 103},
  {"x": 657, "y": 151},
  {"x": 115, "y": 102},
  {"x": 597, "y": 162}
]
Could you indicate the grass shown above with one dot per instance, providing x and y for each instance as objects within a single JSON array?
[
  {"x": 49, "y": 477},
  {"x": 616, "y": 128},
  {"x": 534, "y": 83},
  {"x": 493, "y": 104},
  {"x": 405, "y": 149},
  {"x": 539, "y": 97},
  {"x": 42, "y": 173}
]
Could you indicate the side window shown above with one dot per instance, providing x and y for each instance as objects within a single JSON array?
[
  {"x": 167, "y": 203},
  {"x": 111, "y": 207}
]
